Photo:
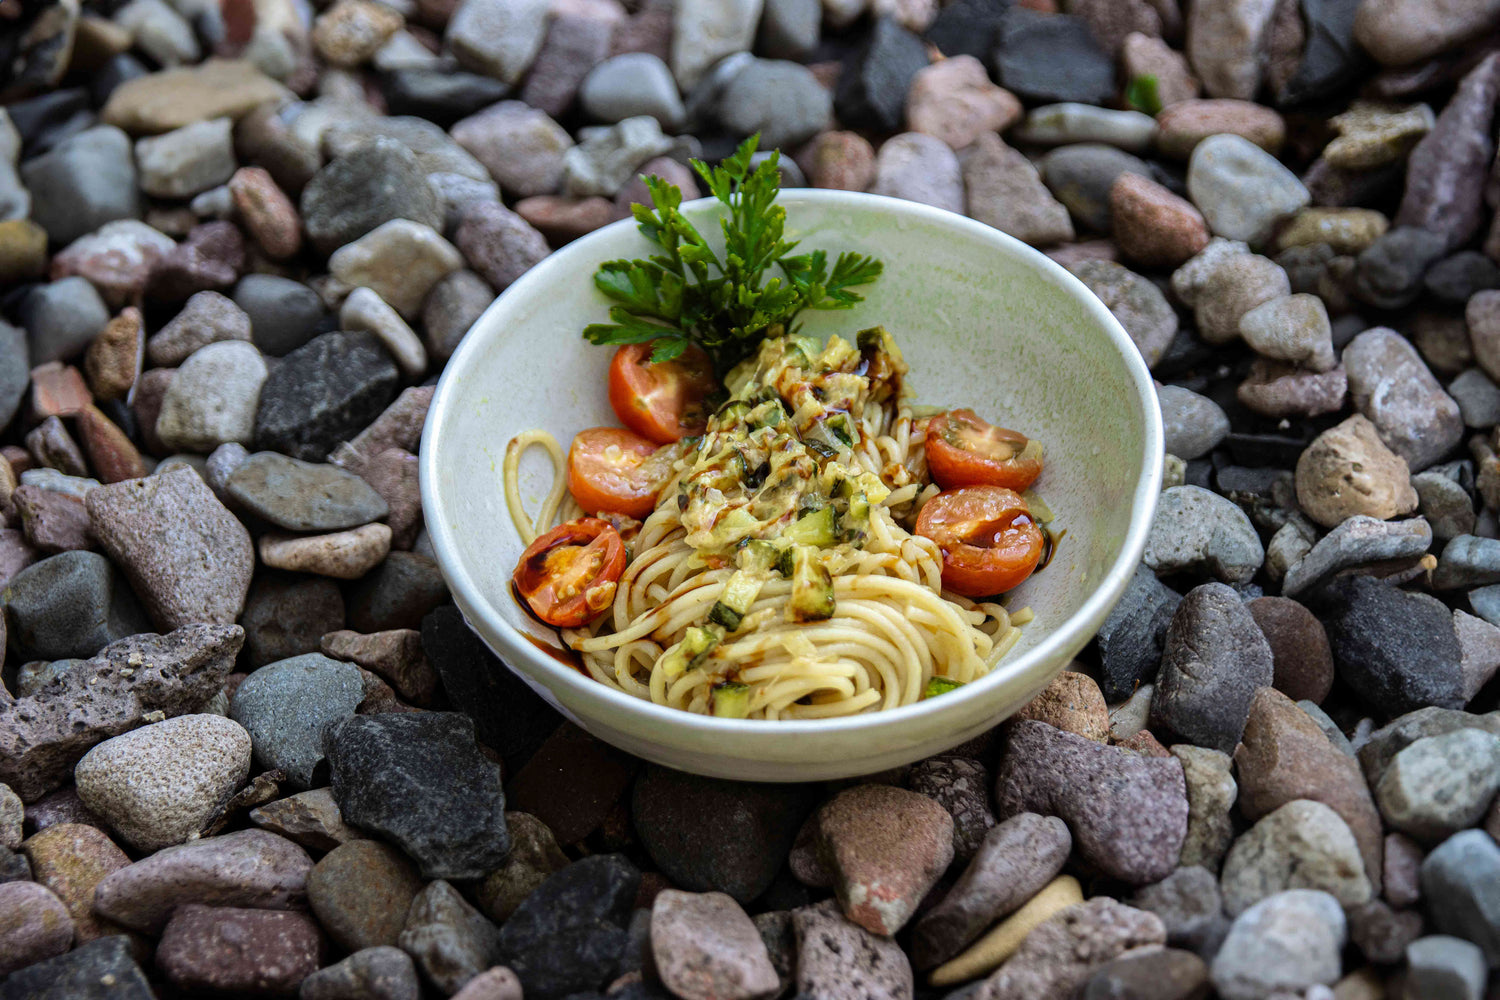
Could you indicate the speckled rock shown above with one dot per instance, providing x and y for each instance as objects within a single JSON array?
[
  {"x": 1153, "y": 226},
  {"x": 955, "y": 101},
  {"x": 161, "y": 784},
  {"x": 1138, "y": 304},
  {"x": 1128, "y": 814},
  {"x": 1396, "y": 649},
  {"x": 840, "y": 960},
  {"x": 1241, "y": 189},
  {"x": 1061, "y": 954},
  {"x": 1198, "y": 531},
  {"x": 1289, "y": 941},
  {"x": 1348, "y": 470},
  {"x": 534, "y": 855},
  {"x": 1073, "y": 703},
  {"x": 34, "y": 925},
  {"x": 71, "y": 859},
  {"x": 227, "y": 949},
  {"x": 212, "y": 399},
  {"x": 704, "y": 946},
  {"x": 1391, "y": 385},
  {"x": 1440, "y": 785},
  {"x": 1301, "y": 845},
  {"x": 383, "y": 973},
  {"x": 1357, "y": 543},
  {"x": 1301, "y": 659}
]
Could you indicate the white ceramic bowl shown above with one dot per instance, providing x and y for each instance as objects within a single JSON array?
[{"x": 984, "y": 321}]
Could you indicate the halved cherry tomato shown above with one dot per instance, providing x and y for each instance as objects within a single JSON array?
[
  {"x": 964, "y": 450},
  {"x": 609, "y": 469},
  {"x": 663, "y": 401},
  {"x": 568, "y": 576},
  {"x": 989, "y": 539}
]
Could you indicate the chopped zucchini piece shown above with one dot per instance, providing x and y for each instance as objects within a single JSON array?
[
  {"x": 940, "y": 685},
  {"x": 739, "y": 594},
  {"x": 812, "y": 587},
  {"x": 815, "y": 528},
  {"x": 731, "y": 700},
  {"x": 694, "y": 648},
  {"x": 839, "y": 429},
  {"x": 757, "y": 554}
]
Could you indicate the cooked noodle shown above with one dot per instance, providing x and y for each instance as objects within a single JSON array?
[{"x": 892, "y": 628}]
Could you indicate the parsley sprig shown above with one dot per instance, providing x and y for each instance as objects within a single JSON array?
[{"x": 686, "y": 294}]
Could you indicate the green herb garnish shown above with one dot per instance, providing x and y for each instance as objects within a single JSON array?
[
  {"x": 940, "y": 685},
  {"x": 1142, "y": 94},
  {"x": 688, "y": 295}
]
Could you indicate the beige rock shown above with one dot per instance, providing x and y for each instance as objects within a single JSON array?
[
  {"x": 1348, "y": 470},
  {"x": 1187, "y": 123},
  {"x": 1398, "y": 32},
  {"x": 955, "y": 101},
  {"x": 986, "y": 954},
  {"x": 399, "y": 260},
  {"x": 1146, "y": 55},
  {"x": 1372, "y": 135},
  {"x": 350, "y": 32},
  {"x": 345, "y": 555},
  {"x": 172, "y": 98},
  {"x": 1072, "y": 702},
  {"x": 1346, "y": 230}
]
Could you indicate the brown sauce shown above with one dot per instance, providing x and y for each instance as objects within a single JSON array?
[
  {"x": 567, "y": 657},
  {"x": 1050, "y": 541}
]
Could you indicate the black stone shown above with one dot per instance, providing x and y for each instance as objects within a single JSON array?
[
  {"x": 1395, "y": 649},
  {"x": 1051, "y": 57},
  {"x": 101, "y": 969},
  {"x": 1331, "y": 59},
  {"x": 1130, "y": 640},
  {"x": 967, "y": 27},
  {"x": 1454, "y": 280},
  {"x": 419, "y": 780},
  {"x": 398, "y": 594},
  {"x": 711, "y": 835},
  {"x": 284, "y": 314},
  {"x": 1256, "y": 450},
  {"x": 376, "y": 182},
  {"x": 121, "y": 69},
  {"x": 33, "y": 118},
  {"x": 874, "y": 81},
  {"x": 509, "y": 716},
  {"x": 323, "y": 393},
  {"x": 440, "y": 95},
  {"x": 1391, "y": 269},
  {"x": 14, "y": 867},
  {"x": 568, "y": 936}
]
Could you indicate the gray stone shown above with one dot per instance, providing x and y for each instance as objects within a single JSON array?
[
  {"x": 370, "y": 185},
  {"x": 703, "y": 33},
  {"x": 1461, "y": 884},
  {"x": 1005, "y": 190},
  {"x": 1478, "y": 399},
  {"x": 282, "y": 314},
  {"x": 1294, "y": 329},
  {"x": 213, "y": 398},
  {"x": 783, "y": 101},
  {"x": 521, "y": 147},
  {"x": 102, "y": 969},
  {"x": 451, "y": 941},
  {"x": 1140, "y": 307},
  {"x": 604, "y": 162},
  {"x": 1380, "y": 747},
  {"x": 323, "y": 393},
  {"x": 62, "y": 318},
  {"x": 1130, "y": 639},
  {"x": 70, "y": 605},
  {"x": 1214, "y": 658},
  {"x": 287, "y": 706},
  {"x": 1081, "y": 175},
  {"x": 1289, "y": 941},
  {"x": 1445, "y": 968},
  {"x": 382, "y": 973},
  {"x": 450, "y": 309},
  {"x": 635, "y": 83},
  {"x": 839, "y": 960},
  {"x": 1396, "y": 649},
  {"x": 1061, "y": 124},
  {"x": 1302, "y": 845},
  {"x": 187, "y": 160},
  {"x": 1359, "y": 541},
  {"x": 498, "y": 38},
  {"x": 1194, "y": 424},
  {"x": 1188, "y": 904},
  {"x": 81, "y": 183},
  {"x": 1390, "y": 270},
  {"x": 1211, "y": 793},
  {"x": 303, "y": 496},
  {"x": 921, "y": 168},
  {"x": 1241, "y": 189},
  {"x": 1051, "y": 57},
  {"x": 1468, "y": 561},
  {"x": 1392, "y": 386},
  {"x": 789, "y": 29},
  {"x": 206, "y": 318},
  {"x": 160, "y": 31},
  {"x": 1440, "y": 785},
  {"x": 1201, "y": 532}
]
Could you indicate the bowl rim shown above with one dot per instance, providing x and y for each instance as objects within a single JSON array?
[{"x": 470, "y": 598}]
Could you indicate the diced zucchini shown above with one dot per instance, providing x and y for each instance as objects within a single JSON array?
[
  {"x": 839, "y": 429},
  {"x": 734, "y": 604},
  {"x": 694, "y": 648},
  {"x": 940, "y": 685},
  {"x": 874, "y": 490},
  {"x": 859, "y": 510},
  {"x": 812, "y": 587},
  {"x": 731, "y": 700},
  {"x": 815, "y": 528},
  {"x": 732, "y": 411},
  {"x": 757, "y": 554}
]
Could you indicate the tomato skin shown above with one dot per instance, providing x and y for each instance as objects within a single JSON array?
[
  {"x": 663, "y": 401},
  {"x": 568, "y": 576},
  {"x": 964, "y": 450},
  {"x": 605, "y": 472},
  {"x": 990, "y": 541}
]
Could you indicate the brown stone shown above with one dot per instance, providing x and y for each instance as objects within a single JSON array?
[
  {"x": 396, "y": 655},
  {"x": 361, "y": 892},
  {"x": 705, "y": 948},
  {"x": 562, "y": 220},
  {"x": 150, "y": 391},
  {"x": 51, "y": 521},
  {"x": 1277, "y": 389},
  {"x": 1152, "y": 226},
  {"x": 351, "y": 31},
  {"x": 571, "y": 783},
  {"x": 114, "y": 357},
  {"x": 395, "y": 475},
  {"x": 266, "y": 212},
  {"x": 288, "y": 615},
  {"x": 172, "y": 98},
  {"x": 23, "y": 250},
  {"x": 1302, "y": 659},
  {"x": 399, "y": 426},
  {"x": 1348, "y": 470},
  {"x": 71, "y": 859},
  {"x": 844, "y": 161},
  {"x": 1071, "y": 702},
  {"x": 310, "y": 818},
  {"x": 112, "y": 455},
  {"x": 954, "y": 100},
  {"x": 1285, "y": 755},
  {"x": 1147, "y": 55},
  {"x": 230, "y": 950},
  {"x": 1187, "y": 123},
  {"x": 534, "y": 855},
  {"x": 57, "y": 390},
  {"x": 54, "y": 448}
]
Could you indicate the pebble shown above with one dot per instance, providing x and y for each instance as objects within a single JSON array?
[
  {"x": 35, "y": 924},
  {"x": 81, "y": 974},
  {"x": 161, "y": 784},
  {"x": 635, "y": 83},
  {"x": 249, "y": 868},
  {"x": 52, "y": 447},
  {"x": 229, "y": 949},
  {"x": 1214, "y": 658},
  {"x": 443, "y": 805},
  {"x": 885, "y": 847},
  {"x": 704, "y": 946},
  {"x": 1480, "y": 643},
  {"x": 522, "y": 147},
  {"x": 1188, "y": 904},
  {"x": 1140, "y": 307},
  {"x": 1462, "y": 876},
  {"x": 1345, "y": 230},
  {"x": 62, "y": 318},
  {"x": 383, "y": 973},
  {"x": 288, "y": 615},
  {"x": 1372, "y": 135},
  {"x": 1390, "y": 269},
  {"x": 498, "y": 244},
  {"x": 1128, "y": 814},
  {"x": 1003, "y": 940},
  {"x": 1153, "y": 226},
  {"x": 1301, "y": 659},
  {"x": 1005, "y": 191},
  {"x": 1231, "y": 290},
  {"x": 1081, "y": 176},
  {"x": 569, "y": 934},
  {"x": 704, "y": 33},
  {"x": 282, "y": 314},
  {"x": 394, "y": 475},
  {"x": 1015, "y": 861},
  {"x": 70, "y": 605},
  {"x": 497, "y": 38},
  {"x": 1348, "y": 470},
  {"x": 1289, "y": 941},
  {"x": 498, "y": 983},
  {"x": 954, "y": 100},
  {"x": 350, "y": 32},
  {"x": 1161, "y": 974},
  {"x": 113, "y": 359},
  {"x": 1398, "y": 32},
  {"x": 1060, "y": 955},
  {"x": 1359, "y": 542},
  {"x": 1069, "y": 122},
  {"x": 1390, "y": 384},
  {"x": 452, "y": 307},
  {"x": 1198, "y": 531},
  {"x": 1294, "y": 329},
  {"x": 1184, "y": 124},
  {"x": 310, "y": 818},
  {"x": 781, "y": 101},
  {"x": 287, "y": 705},
  {"x": 873, "y": 85},
  {"x": 373, "y": 184},
  {"x": 1440, "y": 785},
  {"x": 606, "y": 160},
  {"x": 534, "y": 855},
  {"x": 1378, "y": 748},
  {"x": 1042, "y": 58},
  {"x": 212, "y": 400},
  {"x": 1396, "y": 649},
  {"x": 361, "y": 893},
  {"x": 1241, "y": 189},
  {"x": 70, "y": 859},
  {"x": 1301, "y": 845},
  {"x": 1442, "y": 966},
  {"x": 396, "y": 655},
  {"x": 1194, "y": 424},
  {"x": 302, "y": 496},
  {"x": 398, "y": 594},
  {"x": 323, "y": 393},
  {"x": 185, "y": 161},
  {"x": 83, "y": 182},
  {"x": 1073, "y": 703},
  {"x": 1285, "y": 757},
  {"x": 1446, "y": 171},
  {"x": 1130, "y": 639},
  {"x": 697, "y": 829},
  {"x": 919, "y": 168},
  {"x": 840, "y": 960},
  {"x": 399, "y": 260},
  {"x": 52, "y": 522},
  {"x": 188, "y": 559},
  {"x": 267, "y": 213},
  {"x": 117, "y": 259}
]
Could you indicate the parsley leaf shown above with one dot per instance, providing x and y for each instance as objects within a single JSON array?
[{"x": 688, "y": 294}]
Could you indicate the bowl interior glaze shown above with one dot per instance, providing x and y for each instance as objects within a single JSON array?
[{"x": 983, "y": 320}]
